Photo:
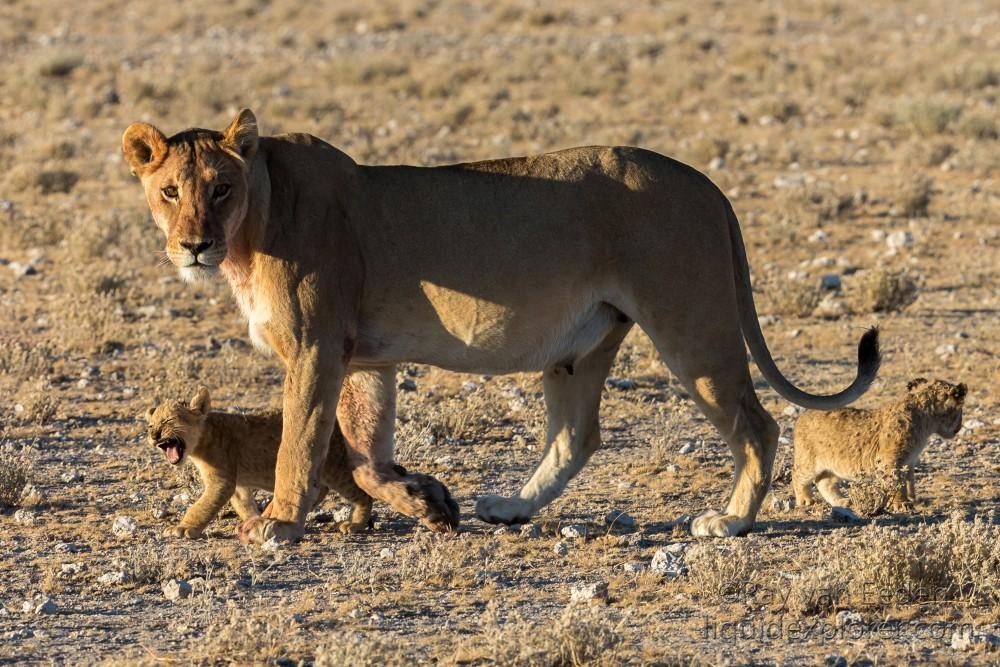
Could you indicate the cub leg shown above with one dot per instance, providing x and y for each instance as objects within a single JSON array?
[
  {"x": 367, "y": 414},
  {"x": 899, "y": 498},
  {"x": 802, "y": 487},
  {"x": 911, "y": 485},
  {"x": 338, "y": 476},
  {"x": 244, "y": 504},
  {"x": 829, "y": 487},
  {"x": 217, "y": 492}
]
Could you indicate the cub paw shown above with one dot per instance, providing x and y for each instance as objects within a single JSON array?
[
  {"x": 717, "y": 524},
  {"x": 183, "y": 531}
]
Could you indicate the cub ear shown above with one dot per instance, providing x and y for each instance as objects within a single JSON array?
[
  {"x": 149, "y": 414},
  {"x": 914, "y": 383},
  {"x": 960, "y": 391},
  {"x": 144, "y": 147},
  {"x": 201, "y": 401},
  {"x": 241, "y": 135}
]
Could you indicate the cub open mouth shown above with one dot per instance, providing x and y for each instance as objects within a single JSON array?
[{"x": 173, "y": 449}]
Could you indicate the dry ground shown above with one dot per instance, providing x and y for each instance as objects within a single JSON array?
[{"x": 855, "y": 138}]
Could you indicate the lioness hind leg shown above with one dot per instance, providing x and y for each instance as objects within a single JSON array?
[
  {"x": 710, "y": 361},
  {"x": 572, "y": 400}
]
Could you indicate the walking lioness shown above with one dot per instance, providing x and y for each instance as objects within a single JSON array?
[{"x": 538, "y": 263}]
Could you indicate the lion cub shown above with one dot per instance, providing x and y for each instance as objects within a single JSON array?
[
  {"x": 236, "y": 454},
  {"x": 844, "y": 444}
]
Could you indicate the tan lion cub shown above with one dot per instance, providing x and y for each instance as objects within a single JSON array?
[
  {"x": 236, "y": 454},
  {"x": 844, "y": 444}
]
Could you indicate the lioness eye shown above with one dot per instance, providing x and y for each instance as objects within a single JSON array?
[
  {"x": 221, "y": 190},
  {"x": 169, "y": 192}
]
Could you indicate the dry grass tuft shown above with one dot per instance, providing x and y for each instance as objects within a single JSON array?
[
  {"x": 15, "y": 475},
  {"x": 913, "y": 196},
  {"x": 722, "y": 569},
  {"x": 882, "y": 291},
  {"x": 870, "y": 493},
  {"x": 794, "y": 298}
]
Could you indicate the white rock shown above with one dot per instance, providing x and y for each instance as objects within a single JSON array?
[
  {"x": 124, "y": 526},
  {"x": 71, "y": 477},
  {"x": 791, "y": 410},
  {"x": 530, "y": 530},
  {"x": 386, "y": 553},
  {"x": 45, "y": 606},
  {"x": 781, "y": 504},
  {"x": 830, "y": 307},
  {"x": 946, "y": 350},
  {"x": 620, "y": 519},
  {"x": 501, "y": 530},
  {"x": 596, "y": 591},
  {"x": 716, "y": 163},
  {"x": 898, "y": 240},
  {"x": 176, "y": 589},
  {"x": 560, "y": 549},
  {"x": 668, "y": 561},
  {"x": 342, "y": 514},
  {"x": 847, "y": 617},
  {"x": 112, "y": 578},
  {"x": 25, "y": 517},
  {"x": 818, "y": 236},
  {"x": 574, "y": 532},
  {"x": 633, "y": 568},
  {"x": 272, "y": 545},
  {"x": 687, "y": 448},
  {"x": 182, "y": 499}
]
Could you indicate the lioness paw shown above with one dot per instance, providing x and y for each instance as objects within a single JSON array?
[
  {"x": 717, "y": 524},
  {"x": 497, "y": 509},
  {"x": 258, "y": 530},
  {"x": 183, "y": 531},
  {"x": 440, "y": 511},
  {"x": 351, "y": 527}
]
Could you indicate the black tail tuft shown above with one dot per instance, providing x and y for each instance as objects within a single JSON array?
[{"x": 869, "y": 356}]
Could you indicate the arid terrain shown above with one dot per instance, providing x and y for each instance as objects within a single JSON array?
[{"x": 858, "y": 142}]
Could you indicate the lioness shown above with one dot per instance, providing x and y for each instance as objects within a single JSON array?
[
  {"x": 235, "y": 454},
  {"x": 538, "y": 263},
  {"x": 845, "y": 444}
]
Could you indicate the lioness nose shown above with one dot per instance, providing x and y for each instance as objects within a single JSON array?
[{"x": 196, "y": 247}]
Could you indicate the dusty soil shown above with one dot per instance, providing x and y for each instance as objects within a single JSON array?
[{"x": 855, "y": 139}]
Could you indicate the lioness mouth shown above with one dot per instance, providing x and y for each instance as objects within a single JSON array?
[{"x": 173, "y": 449}]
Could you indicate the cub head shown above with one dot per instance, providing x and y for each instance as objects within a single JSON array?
[
  {"x": 941, "y": 402},
  {"x": 177, "y": 428},
  {"x": 196, "y": 184}
]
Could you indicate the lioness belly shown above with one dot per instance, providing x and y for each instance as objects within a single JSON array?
[{"x": 471, "y": 336}]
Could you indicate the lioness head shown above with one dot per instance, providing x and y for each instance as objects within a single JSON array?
[
  {"x": 177, "y": 428},
  {"x": 196, "y": 187},
  {"x": 941, "y": 402}
]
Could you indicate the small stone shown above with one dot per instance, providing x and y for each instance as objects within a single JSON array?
[
  {"x": 182, "y": 499},
  {"x": 530, "y": 531},
  {"x": 671, "y": 468},
  {"x": 843, "y": 515},
  {"x": 112, "y": 578},
  {"x": 818, "y": 236},
  {"x": 176, "y": 589},
  {"x": 781, "y": 504},
  {"x": 596, "y": 591},
  {"x": 717, "y": 163},
  {"x": 846, "y": 617},
  {"x": 830, "y": 281},
  {"x": 469, "y": 387},
  {"x": 633, "y": 568},
  {"x": 386, "y": 553},
  {"x": 946, "y": 350},
  {"x": 622, "y": 384},
  {"x": 668, "y": 561},
  {"x": 342, "y": 514},
  {"x": 830, "y": 307},
  {"x": 46, "y": 606},
  {"x": 687, "y": 448},
  {"x": 22, "y": 269},
  {"x": 272, "y": 545},
  {"x": 407, "y": 385},
  {"x": 898, "y": 240},
  {"x": 158, "y": 512},
  {"x": 124, "y": 526},
  {"x": 833, "y": 660},
  {"x": 574, "y": 532},
  {"x": 791, "y": 411},
  {"x": 69, "y": 569},
  {"x": 71, "y": 477},
  {"x": 25, "y": 517},
  {"x": 501, "y": 530},
  {"x": 321, "y": 516},
  {"x": 620, "y": 519},
  {"x": 560, "y": 549}
]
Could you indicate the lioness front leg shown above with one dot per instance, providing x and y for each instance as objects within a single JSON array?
[
  {"x": 217, "y": 493},
  {"x": 367, "y": 415},
  {"x": 312, "y": 385}
]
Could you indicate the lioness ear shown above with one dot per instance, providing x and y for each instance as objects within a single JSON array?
[
  {"x": 143, "y": 147},
  {"x": 241, "y": 135},
  {"x": 201, "y": 401},
  {"x": 960, "y": 391},
  {"x": 914, "y": 383}
]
